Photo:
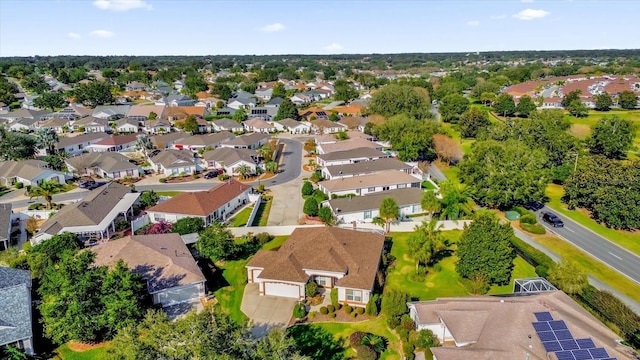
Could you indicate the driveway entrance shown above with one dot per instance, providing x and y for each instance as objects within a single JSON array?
[{"x": 265, "y": 312}]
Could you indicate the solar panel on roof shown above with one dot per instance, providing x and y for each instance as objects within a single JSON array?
[
  {"x": 599, "y": 353},
  {"x": 582, "y": 354},
  {"x": 558, "y": 325},
  {"x": 543, "y": 316},
  {"x": 541, "y": 326},
  {"x": 551, "y": 346},
  {"x": 585, "y": 343},
  {"x": 569, "y": 344},
  {"x": 563, "y": 334},
  {"x": 564, "y": 355},
  {"x": 546, "y": 336}
]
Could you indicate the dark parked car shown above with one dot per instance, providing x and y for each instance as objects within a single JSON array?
[
  {"x": 211, "y": 174},
  {"x": 86, "y": 184},
  {"x": 552, "y": 219},
  {"x": 154, "y": 153},
  {"x": 533, "y": 205}
]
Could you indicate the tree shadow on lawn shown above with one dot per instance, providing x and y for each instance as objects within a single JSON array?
[{"x": 317, "y": 343}]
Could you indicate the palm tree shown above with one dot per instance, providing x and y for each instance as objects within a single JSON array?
[
  {"x": 426, "y": 242},
  {"x": 430, "y": 202},
  {"x": 46, "y": 189},
  {"x": 456, "y": 200},
  {"x": 389, "y": 212},
  {"x": 47, "y": 139},
  {"x": 271, "y": 167},
  {"x": 143, "y": 143},
  {"x": 243, "y": 170}
]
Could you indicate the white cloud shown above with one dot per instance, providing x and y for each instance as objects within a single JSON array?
[
  {"x": 530, "y": 14},
  {"x": 333, "y": 47},
  {"x": 473, "y": 23},
  {"x": 73, "y": 35},
  {"x": 498, "y": 17},
  {"x": 272, "y": 27},
  {"x": 121, "y": 5},
  {"x": 102, "y": 34}
]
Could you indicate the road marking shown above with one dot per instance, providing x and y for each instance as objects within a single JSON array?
[
  {"x": 569, "y": 229},
  {"x": 615, "y": 256}
]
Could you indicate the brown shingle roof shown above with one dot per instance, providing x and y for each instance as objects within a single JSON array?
[
  {"x": 72, "y": 140},
  {"x": 118, "y": 140},
  {"x": 352, "y": 252},
  {"x": 202, "y": 203},
  {"x": 349, "y": 144},
  {"x": 389, "y": 177},
  {"x": 163, "y": 259},
  {"x": 402, "y": 197},
  {"x": 230, "y": 156},
  {"x": 367, "y": 167},
  {"x": 353, "y": 153},
  {"x": 248, "y": 139}
]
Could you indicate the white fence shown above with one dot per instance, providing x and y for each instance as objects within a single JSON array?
[
  {"x": 139, "y": 223},
  {"x": 37, "y": 214},
  {"x": 254, "y": 212}
]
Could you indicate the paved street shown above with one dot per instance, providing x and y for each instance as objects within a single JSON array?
[{"x": 597, "y": 246}]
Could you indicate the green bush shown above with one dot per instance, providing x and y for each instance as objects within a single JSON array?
[
  {"x": 299, "y": 311},
  {"x": 310, "y": 207},
  {"x": 534, "y": 256},
  {"x": 263, "y": 238},
  {"x": 19, "y": 185},
  {"x": 331, "y": 308},
  {"x": 311, "y": 289},
  {"x": 407, "y": 349},
  {"x": 163, "y": 180},
  {"x": 348, "y": 309},
  {"x": 375, "y": 342},
  {"x": 354, "y": 314},
  {"x": 319, "y": 195},
  {"x": 533, "y": 228},
  {"x": 332, "y": 315},
  {"x": 360, "y": 311},
  {"x": 223, "y": 177},
  {"x": 355, "y": 338},
  {"x": 338, "y": 306},
  {"x": 334, "y": 298},
  {"x": 612, "y": 309},
  {"x": 324, "y": 310},
  {"x": 372, "y": 305},
  {"x": 528, "y": 219},
  {"x": 520, "y": 210},
  {"x": 425, "y": 339},
  {"x": 307, "y": 188},
  {"x": 406, "y": 322},
  {"x": 365, "y": 353}
]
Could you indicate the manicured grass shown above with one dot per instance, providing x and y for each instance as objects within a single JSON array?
[
  {"x": 275, "y": 243},
  {"x": 241, "y": 218},
  {"x": 590, "y": 265},
  {"x": 263, "y": 214},
  {"x": 67, "y": 354},
  {"x": 452, "y": 130},
  {"x": 168, "y": 193},
  {"x": 522, "y": 269},
  {"x": 428, "y": 185},
  {"x": 378, "y": 326},
  {"x": 451, "y": 172},
  {"x": 627, "y": 239}
]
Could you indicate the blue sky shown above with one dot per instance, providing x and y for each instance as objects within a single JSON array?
[{"x": 172, "y": 27}]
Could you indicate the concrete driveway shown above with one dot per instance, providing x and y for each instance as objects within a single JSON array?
[{"x": 265, "y": 312}]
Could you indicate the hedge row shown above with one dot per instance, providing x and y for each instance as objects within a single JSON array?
[{"x": 532, "y": 255}]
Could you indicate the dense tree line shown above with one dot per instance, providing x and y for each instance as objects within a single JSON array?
[{"x": 412, "y": 138}]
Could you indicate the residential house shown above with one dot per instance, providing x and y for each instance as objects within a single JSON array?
[
  {"x": 203, "y": 125},
  {"x": 197, "y": 142},
  {"x": 354, "y": 122},
  {"x": 264, "y": 93},
  {"x": 142, "y": 112},
  {"x": 94, "y": 217},
  {"x": 292, "y": 126},
  {"x": 23, "y": 125},
  {"x": 258, "y": 125},
  {"x": 361, "y": 209},
  {"x": 552, "y": 103},
  {"x": 347, "y": 260},
  {"x": 4, "y": 108},
  {"x": 230, "y": 158},
  {"x": 367, "y": 167},
  {"x": 248, "y": 141},
  {"x": 516, "y": 327},
  {"x": 274, "y": 102},
  {"x": 15, "y": 309},
  {"x": 176, "y": 113},
  {"x": 267, "y": 113},
  {"x": 74, "y": 145},
  {"x": 127, "y": 125},
  {"x": 111, "y": 112},
  {"x": 59, "y": 125},
  {"x": 172, "y": 162},
  {"x": 178, "y": 84},
  {"x": 108, "y": 165},
  {"x": 136, "y": 86},
  {"x": 158, "y": 126},
  {"x": 91, "y": 124},
  {"x": 28, "y": 172},
  {"x": 176, "y": 100},
  {"x": 350, "y": 156},
  {"x": 242, "y": 103},
  {"x": 370, "y": 183},
  {"x": 344, "y": 145},
  {"x": 122, "y": 143},
  {"x": 71, "y": 112},
  {"x": 224, "y": 111},
  {"x": 215, "y": 204},
  {"x": 5, "y": 225},
  {"x": 163, "y": 260},
  {"x": 166, "y": 141},
  {"x": 23, "y": 114},
  {"x": 301, "y": 99},
  {"x": 227, "y": 125},
  {"x": 324, "y": 126}
]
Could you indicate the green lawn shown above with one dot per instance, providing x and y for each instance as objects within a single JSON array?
[
  {"x": 627, "y": 239},
  {"x": 428, "y": 185},
  {"x": 263, "y": 214},
  {"x": 522, "y": 269},
  {"x": 241, "y": 218},
  {"x": 67, "y": 354},
  {"x": 275, "y": 243},
  {"x": 451, "y": 172},
  {"x": 452, "y": 130}
]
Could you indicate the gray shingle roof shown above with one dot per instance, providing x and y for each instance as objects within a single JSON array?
[
  {"x": 228, "y": 124},
  {"x": 403, "y": 197},
  {"x": 5, "y": 222},
  {"x": 15, "y": 307},
  {"x": 230, "y": 156},
  {"x": 107, "y": 161},
  {"x": 171, "y": 157},
  {"x": 72, "y": 140},
  {"x": 352, "y": 154},
  {"x": 367, "y": 167},
  {"x": 248, "y": 139}
]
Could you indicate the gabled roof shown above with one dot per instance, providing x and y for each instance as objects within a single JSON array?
[
  {"x": 23, "y": 169},
  {"x": 162, "y": 259},
  {"x": 171, "y": 158},
  {"x": 91, "y": 121},
  {"x": 275, "y": 101},
  {"x": 145, "y": 110},
  {"x": 202, "y": 203},
  {"x": 72, "y": 140},
  {"x": 5, "y": 223},
  {"x": 367, "y": 167},
  {"x": 24, "y": 113},
  {"x": 230, "y": 156},
  {"x": 184, "y": 111},
  {"x": 389, "y": 177},
  {"x": 352, "y": 122},
  {"x": 168, "y": 139},
  {"x": 290, "y": 123},
  {"x": 247, "y": 139},
  {"x": 213, "y": 139},
  {"x": 403, "y": 197},
  {"x": 354, "y": 253},
  {"x": 54, "y": 122},
  {"x": 228, "y": 123},
  {"x": 107, "y": 161},
  {"x": 118, "y": 140},
  {"x": 25, "y": 122},
  {"x": 127, "y": 121},
  {"x": 257, "y": 123},
  {"x": 112, "y": 110},
  {"x": 15, "y": 307},
  {"x": 349, "y": 144},
  {"x": 353, "y": 154},
  {"x": 324, "y": 123}
]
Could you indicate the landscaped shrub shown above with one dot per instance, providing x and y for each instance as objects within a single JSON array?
[
  {"x": 319, "y": 195},
  {"x": 355, "y": 338},
  {"x": 375, "y": 342},
  {"x": 528, "y": 219},
  {"x": 263, "y": 238},
  {"x": 311, "y": 289},
  {"x": 372, "y": 305},
  {"x": 532, "y": 255},
  {"x": 307, "y": 188},
  {"x": 533, "y": 228},
  {"x": 614, "y": 310},
  {"x": 324, "y": 310},
  {"x": 348, "y": 309},
  {"x": 424, "y": 339},
  {"x": 332, "y": 315},
  {"x": 19, "y": 185},
  {"x": 163, "y": 180},
  {"x": 354, "y": 314},
  {"x": 394, "y": 305},
  {"x": 338, "y": 306},
  {"x": 331, "y": 308},
  {"x": 360, "y": 311},
  {"x": 310, "y": 207},
  {"x": 334, "y": 298},
  {"x": 406, "y": 322},
  {"x": 407, "y": 349},
  {"x": 223, "y": 177},
  {"x": 520, "y": 210},
  {"x": 299, "y": 311},
  {"x": 366, "y": 353},
  {"x": 160, "y": 227},
  {"x": 312, "y": 314}
]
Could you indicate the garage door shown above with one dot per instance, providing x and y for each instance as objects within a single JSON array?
[
  {"x": 282, "y": 290},
  {"x": 178, "y": 295}
]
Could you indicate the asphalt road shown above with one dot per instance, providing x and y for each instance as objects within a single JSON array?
[
  {"x": 597, "y": 246},
  {"x": 290, "y": 168}
]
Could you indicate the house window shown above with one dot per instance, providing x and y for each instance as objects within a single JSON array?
[
  {"x": 367, "y": 214},
  {"x": 415, "y": 185},
  {"x": 402, "y": 186},
  {"x": 129, "y": 172},
  {"x": 116, "y": 175},
  {"x": 371, "y": 189},
  {"x": 354, "y": 295}
]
